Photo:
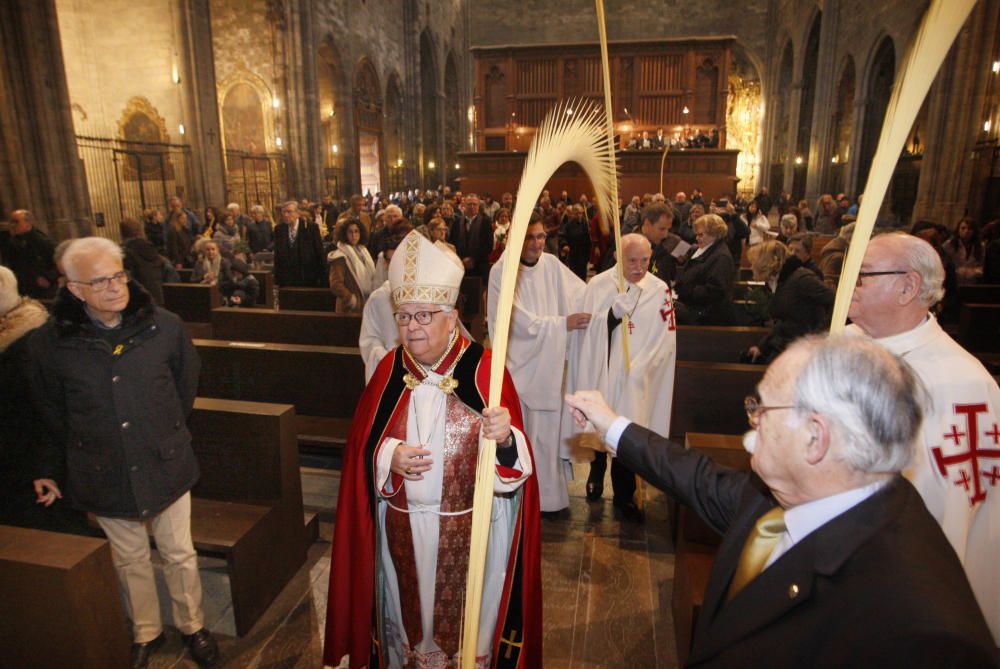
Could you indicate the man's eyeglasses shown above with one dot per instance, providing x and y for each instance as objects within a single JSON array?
[
  {"x": 101, "y": 283},
  {"x": 862, "y": 275},
  {"x": 421, "y": 317},
  {"x": 755, "y": 409}
]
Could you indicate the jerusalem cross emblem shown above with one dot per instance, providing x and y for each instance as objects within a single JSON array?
[
  {"x": 975, "y": 455},
  {"x": 667, "y": 312}
]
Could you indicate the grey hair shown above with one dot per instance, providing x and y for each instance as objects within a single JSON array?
[
  {"x": 919, "y": 256},
  {"x": 257, "y": 209},
  {"x": 233, "y": 205},
  {"x": 873, "y": 399},
  {"x": 86, "y": 247},
  {"x": 393, "y": 208}
]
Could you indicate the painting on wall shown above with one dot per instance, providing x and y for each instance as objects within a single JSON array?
[
  {"x": 143, "y": 132},
  {"x": 243, "y": 120}
]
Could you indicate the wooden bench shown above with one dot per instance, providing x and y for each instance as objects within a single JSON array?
[
  {"x": 247, "y": 505},
  {"x": 697, "y": 542},
  {"x": 193, "y": 302},
  {"x": 979, "y": 328},
  {"x": 265, "y": 278},
  {"x": 983, "y": 293},
  {"x": 708, "y": 397},
  {"x": 319, "y": 328},
  {"x": 306, "y": 299},
  {"x": 323, "y": 383},
  {"x": 61, "y": 602},
  {"x": 711, "y": 343}
]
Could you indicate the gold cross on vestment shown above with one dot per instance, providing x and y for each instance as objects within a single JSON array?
[{"x": 511, "y": 644}]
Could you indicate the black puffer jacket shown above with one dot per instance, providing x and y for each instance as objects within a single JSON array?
[
  {"x": 143, "y": 261},
  {"x": 801, "y": 304},
  {"x": 117, "y": 402},
  {"x": 705, "y": 287}
]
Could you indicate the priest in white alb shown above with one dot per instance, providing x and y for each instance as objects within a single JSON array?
[
  {"x": 404, "y": 523},
  {"x": 546, "y": 312},
  {"x": 956, "y": 467},
  {"x": 597, "y": 359}
]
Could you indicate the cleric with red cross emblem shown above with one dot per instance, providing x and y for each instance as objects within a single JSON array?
[
  {"x": 597, "y": 358},
  {"x": 404, "y": 522},
  {"x": 957, "y": 467}
]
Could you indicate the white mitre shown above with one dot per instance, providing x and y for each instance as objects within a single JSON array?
[{"x": 424, "y": 273}]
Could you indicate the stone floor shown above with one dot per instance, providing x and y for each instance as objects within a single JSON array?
[{"x": 606, "y": 592}]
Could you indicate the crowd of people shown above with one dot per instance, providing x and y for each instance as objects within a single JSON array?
[{"x": 111, "y": 377}]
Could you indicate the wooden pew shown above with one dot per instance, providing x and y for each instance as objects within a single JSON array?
[
  {"x": 247, "y": 505},
  {"x": 742, "y": 288},
  {"x": 323, "y": 383},
  {"x": 61, "y": 602},
  {"x": 306, "y": 299},
  {"x": 193, "y": 302},
  {"x": 708, "y": 397},
  {"x": 265, "y": 278},
  {"x": 697, "y": 543},
  {"x": 319, "y": 328},
  {"x": 712, "y": 343},
  {"x": 982, "y": 293},
  {"x": 979, "y": 328}
]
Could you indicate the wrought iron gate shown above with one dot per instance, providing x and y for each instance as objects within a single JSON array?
[{"x": 256, "y": 179}]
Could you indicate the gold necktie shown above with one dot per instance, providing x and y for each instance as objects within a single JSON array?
[{"x": 758, "y": 548}]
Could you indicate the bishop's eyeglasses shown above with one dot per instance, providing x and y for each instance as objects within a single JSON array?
[{"x": 421, "y": 317}]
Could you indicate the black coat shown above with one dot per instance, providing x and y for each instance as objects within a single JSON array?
[
  {"x": 476, "y": 243},
  {"x": 303, "y": 264},
  {"x": 800, "y": 305},
  {"x": 259, "y": 236},
  {"x": 705, "y": 287},
  {"x": 116, "y": 403},
  {"x": 29, "y": 256},
  {"x": 877, "y": 586},
  {"x": 145, "y": 264}
]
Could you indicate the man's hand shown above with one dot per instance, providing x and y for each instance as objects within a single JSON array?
[
  {"x": 411, "y": 462},
  {"x": 754, "y": 353},
  {"x": 590, "y": 405},
  {"x": 235, "y": 299},
  {"x": 468, "y": 262},
  {"x": 46, "y": 492},
  {"x": 564, "y": 251},
  {"x": 496, "y": 424},
  {"x": 578, "y": 321},
  {"x": 42, "y": 282},
  {"x": 624, "y": 303}
]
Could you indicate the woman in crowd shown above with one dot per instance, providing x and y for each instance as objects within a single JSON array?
[
  {"x": 967, "y": 252},
  {"x": 805, "y": 216},
  {"x": 758, "y": 223},
  {"x": 241, "y": 288},
  {"x": 501, "y": 228},
  {"x": 437, "y": 231},
  {"x": 210, "y": 267},
  {"x": 226, "y": 234},
  {"x": 152, "y": 225},
  {"x": 179, "y": 240},
  {"x": 705, "y": 281},
  {"x": 801, "y": 304},
  {"x": 259, "y": 230},
  {"x": 352, "y": 270},
  {"x": 788, "y": 226},
  {"x": 211, "y": 220}
]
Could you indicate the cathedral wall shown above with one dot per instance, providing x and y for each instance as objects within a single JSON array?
[{"x": 110, "y": 60}]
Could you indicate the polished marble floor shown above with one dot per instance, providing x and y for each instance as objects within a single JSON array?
[{"x": 606, "y": 592}]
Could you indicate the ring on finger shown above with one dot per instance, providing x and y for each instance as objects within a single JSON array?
[{"x": 408, "y": 469}]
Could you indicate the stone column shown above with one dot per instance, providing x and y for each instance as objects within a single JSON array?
[
  {"x": 304, "y": 136},
  {"x": 200, "y": 104},
  {"x": 411, "y": 93},
  {"x": 789, "y": 143},
  {"x": 956, "y": 113},
  {"x": 39, "y": 165}
]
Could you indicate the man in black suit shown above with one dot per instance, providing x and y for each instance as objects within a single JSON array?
[
  {"x": 298, "y": 250},
  {"x": 829, "y": 557},
  {"x": 472, "y": 235}
]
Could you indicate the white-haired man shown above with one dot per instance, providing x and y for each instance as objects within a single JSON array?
[
  {"x": 957, "y": 467},
  {"x": 597, "y": 358},
  {"x": 115, "y": 378},
  {"x": 403, "y": 514},
  {"x": 240, "y": 220},
  {"x": 828, "y": 557},
  {"x": 546, "y": 313}
]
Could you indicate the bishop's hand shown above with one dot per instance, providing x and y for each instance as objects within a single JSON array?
[
  {"x": 411, "y": 462},
  {"x": 496, "y": 425}
]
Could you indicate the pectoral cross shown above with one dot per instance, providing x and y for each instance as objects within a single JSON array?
[
  {"x": 631, "y": 326},
  {"x": 511, "y": 644}
]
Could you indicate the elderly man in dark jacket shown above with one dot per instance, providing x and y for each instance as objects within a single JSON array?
[{"x": 115, "y": 377}]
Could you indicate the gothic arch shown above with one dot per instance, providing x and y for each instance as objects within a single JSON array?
[
  {"x": 879, "y": 78},
  {"x": 246, "y": 119}
]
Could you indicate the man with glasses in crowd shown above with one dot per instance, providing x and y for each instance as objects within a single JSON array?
[
  {"x": 828, "y": 557},
  {"x": 957, "y": 465},
  {"x": 404, "y": 511},
  {"x": 115, "y": 378}
]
